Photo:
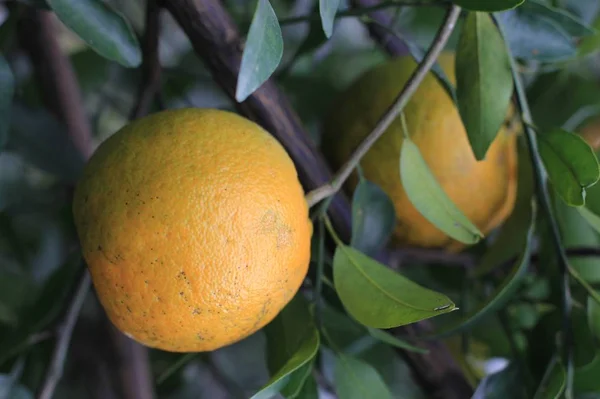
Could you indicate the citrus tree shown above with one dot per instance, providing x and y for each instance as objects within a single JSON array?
[{"x": 299, "y": 199}]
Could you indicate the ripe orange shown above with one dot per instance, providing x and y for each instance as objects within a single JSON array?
[
  {"x": 485, "y": 191},
  {"x": 195, "y": 229},
  {"x": 590, "y": 132}
]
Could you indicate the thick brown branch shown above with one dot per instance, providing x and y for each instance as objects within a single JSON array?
[
  {"x": 151, "y": 71},
  {"x": 217, "y": 41}
]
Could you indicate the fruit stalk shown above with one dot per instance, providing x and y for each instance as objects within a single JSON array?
[{"x": 317, "y": 195}]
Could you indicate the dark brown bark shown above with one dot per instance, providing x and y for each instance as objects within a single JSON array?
[{"x": 217, "y": 41}]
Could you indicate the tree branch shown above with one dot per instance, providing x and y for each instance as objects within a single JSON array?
[
  {"x": 55, "y": 370},
  {"x": 61, "y": 94},
  {"x": 151, "y": 70},
  {"x": 217, "y": 41}
]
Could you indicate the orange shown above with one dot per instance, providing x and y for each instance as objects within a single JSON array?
[
  {"x": 485, "y": 191},
  {"x": 590, "y": 132},
  {"x": 194, "y": 227}
]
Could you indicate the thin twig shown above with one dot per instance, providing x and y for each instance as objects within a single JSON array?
[
  {"x": 151, "y": 70},
  {"x": 57, "y": 363},
  {"x": 411, "y": 86},
  {"x": 381, "y": 28},
  {"x": 543, "y": 197}
]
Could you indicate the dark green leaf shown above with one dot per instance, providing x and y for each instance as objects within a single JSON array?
[
  {"x": 502, "y": 294},
  {"x": 102, "y": 28},
  {"x": 296, "y": 381},
  {"x": 593, "y": 312},
  {"x": 327, "y": 10},
  {"x": 571, "y": 164},
  {"x": 395, "y": 341},
  {"x": 263, "y": 51},
  {"x": 309, "y": 389},
  {"x": 378, "y": 297},
  {"x": 568, "y": 22},
  {"x": 586, "y": 377},
  {"x": 7, "y": 89},
  {"x": 501, "y": 385},
  {"x": 39, "y": 138},
  {"x": 355, "y": 379},
  {"x": 373, "y": 218},
  {"x": 293, "y": 341},
  {"x": 488, "y": 5},
  {"x": 535, "y": 37},
  {"x": 554, "y": 381},
  {"x": 425, "y": 193},
  {"x": 484, "y": 81}
]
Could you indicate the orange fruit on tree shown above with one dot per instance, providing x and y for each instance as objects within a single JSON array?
[
  {"x": 194, "y": 227},
  {"x": 590, "y": 132},
  {"x": 485, "y": 191}
]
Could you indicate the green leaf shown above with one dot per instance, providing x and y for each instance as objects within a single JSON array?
[
  {"x": 102, "y": 28},
  {"x": 501, "y": 385},
  {"x": 293, "y": 341},
  {"x": 263, "y": 51},
  {"x": 379, "y": 297},
  {"x": 373, "y": 218},
  {"x": 395, "y": 341},
  {"x": 571, "y": 164},
  {"x": 296, "y": 381},
  {"x": 488, "y": 5},
  {"x": 355, "y": 379},
  {"x": 532, "y": 36},
  {"x": 327, "y": 10},
  {"x": 425, "y": 193},
  {"x": 309, "y": 389},
  {"x": 554, "y": 381},
  {"x": 568, "y": 22},
  {"x": 484, "y": 82},
  {"x": 42, "y": 140},
  {"x": 590, "y": 217},
  {"x": 593, "y": 313},
  {"x": 501, "y": 296},
  {"x": 7, "y": 90},
  {"x": 586, "y": 377}
]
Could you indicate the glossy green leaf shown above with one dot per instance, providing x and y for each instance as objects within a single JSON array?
[
  {"x": 425, "y": 193},
  {"x": 7, "y": 90},
  {"x": 503, "y": 384},
  {"x": 292, "y": 342},
  {"x": 484, "y": 82},
  {"x": 262, "y": 53},
  {"x": 501, "y": 296},
  {"x": 373, "y": 218},
  {"x": 42, "y": 140},
  {"x": 535, "y": 37},
  {"x": 554, "y": 381},
  {"x": 389, "y": 339},
  {"x": 571, "y": 164},
  {"x": 355, "y": 379},
  {"x": 102, "y": 28},
  {"x": 327, "y": 10},
  {"x": 593, "y": 313},
  {"x": 309, "y": 389},
  {"x": 378, "y": 297},
  {"x": 488, "y": 5},
  {"x": 567, "y": 21}
]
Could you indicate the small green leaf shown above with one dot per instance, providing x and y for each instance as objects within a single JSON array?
[
  {"x": 293, "y": 341},
  {"x": 568, "y": 22},
  {"x": 429, "y": 198},
  {"x": 501, "y": 296},
  {"x": 379, "y": 297},
  {"x": 593, "y": 312},
  {"x": 488, "y": 5},
  {"x": 42, "y": 140},
  {"x": 484, "y": 82},
  {"x": 532, "y": 36},
  {"x": 355, "y": 379},
  {"x": 7, "y": 90},
  {"x": 309, "y": 389},
  {"x": 395, "y": 341},
  {"x": 102, "y": 28},
  {"x": 571, "y": 164},
  {"x": 328, "y": 9},
  {"x": 263, "y": 51},
  {"x": 373, "y": 218},
  {"x": 554, "y": 381}
]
